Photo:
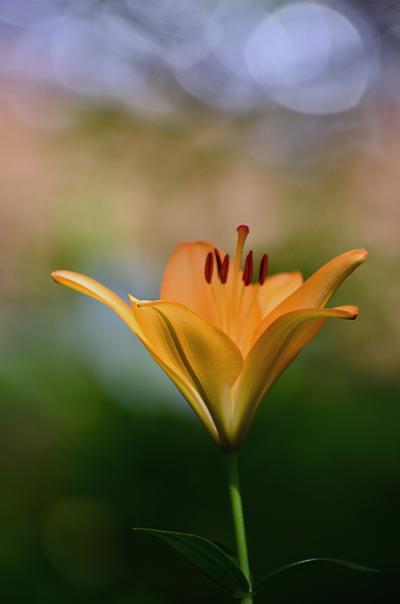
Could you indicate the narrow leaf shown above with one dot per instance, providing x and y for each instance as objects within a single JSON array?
[
  {"x": 207, "y": 557},
  {"x": 328, "y": 561}
]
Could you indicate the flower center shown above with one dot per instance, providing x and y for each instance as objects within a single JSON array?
[
  {"x": 223, "y": 264},
  {"x": 233, "y": 292}
]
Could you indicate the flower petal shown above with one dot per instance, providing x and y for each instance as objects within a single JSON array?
[
  {"x": 277, "y": 288},
  {"x": 209, "y": 356},
  {"x": 151, "y": 332},
  {"x": 94, "y": 289},
  {"x": 184, "y": 281},
  {"x": 319, "y": 288},
  {"x": 270, "y": 356}
]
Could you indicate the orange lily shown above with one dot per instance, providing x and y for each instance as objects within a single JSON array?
[{"x": 222, "y": 339}]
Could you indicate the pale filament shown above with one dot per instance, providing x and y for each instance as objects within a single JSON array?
[{"x": 234, "y": 296}]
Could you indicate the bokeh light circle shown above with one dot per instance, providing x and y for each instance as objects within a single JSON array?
[{"x": 309, "y": 58}]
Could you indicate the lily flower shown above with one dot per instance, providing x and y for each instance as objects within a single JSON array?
[{"x": 223, "y": 335}]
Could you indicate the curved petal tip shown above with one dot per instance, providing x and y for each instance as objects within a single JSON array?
[
  {"x": 349, "y": 312},
  {"x": 57, "y": 275},
  {"x": 360, "y": 255},
  {"x": 68, "y": 278}
]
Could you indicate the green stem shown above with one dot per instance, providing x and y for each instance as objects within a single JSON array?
[{"x": 238, "y": 519}]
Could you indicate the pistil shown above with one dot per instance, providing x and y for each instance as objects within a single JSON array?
[
  {"x": 242, "y": 231},
  {"x": 233, "y": 288}
]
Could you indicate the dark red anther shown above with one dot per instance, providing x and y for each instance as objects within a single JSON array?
[
  {"x": 209, "y": 267},
  {"x": 262, "y": 275},
  {"x": 223, "y": 274},
  {"x": 248, "y": 268},
  {"x": 218, "y": 260}
]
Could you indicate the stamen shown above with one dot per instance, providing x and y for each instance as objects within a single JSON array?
[
  {"x": 262, "y": 275},
  {"x": 223, "y": 274},
  {"x": 242, "y": 231},
  {"x": 218, "y": 260},
  {"x": 209, "y": 267},
  {"x": 248, "y": 269}
]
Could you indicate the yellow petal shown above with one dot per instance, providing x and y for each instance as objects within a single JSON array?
[
  {"x": 319, "y": 288},
  {"x": 277, "y": 288},
  {"x": 153, "y": 337},
  {"x": 184, "y": 281},
  {"x": 258, "y": 301},
  {"x": 211, "y": 359},
  {"x": 270, "y": 356},
  {"x": 94, "y": 289}
]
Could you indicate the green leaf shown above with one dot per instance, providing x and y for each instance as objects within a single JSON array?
[
  {"x": 328, "y": 561},
  {"x": 207, "y": 557}
]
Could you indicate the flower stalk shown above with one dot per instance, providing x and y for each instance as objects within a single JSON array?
[{"x": 238, "y": 520}]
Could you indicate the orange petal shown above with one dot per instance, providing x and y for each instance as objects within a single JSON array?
[
  {"x": 209, "y": 357},
  {"x": 277, "y": 288},
  {"x": 319, "y": 288},
  {"x": 184, "y": 281},
  {"x": 259, "y": 300},
  {"x": 270, "y": 356},
  {"x": 94, "y": 289},
  {"x": 151, "y": 331}
]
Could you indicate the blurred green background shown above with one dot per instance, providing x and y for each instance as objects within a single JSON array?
[{"x": 94, "y": 440}]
